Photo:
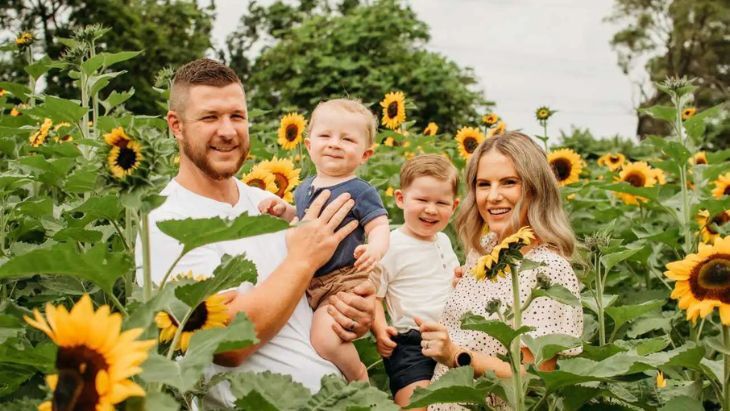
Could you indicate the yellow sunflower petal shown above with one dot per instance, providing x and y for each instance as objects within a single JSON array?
[{"x": 468, "y": 139}]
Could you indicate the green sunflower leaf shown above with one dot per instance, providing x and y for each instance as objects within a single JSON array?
[
  {"x": 42, "y": 66},
  {"x": 696, "y": 124},
  {"x": 232, "y": 272},
  {"x": 268, "y": 390},
  {"x": 558, "y": 293},
  {"x": 152, "y": 401},
  {"x": 652, "y": 193},
  {"x": 19, "y": 90},
  {"x": 625, "y": 313},
  {"x": 456, "y": 386},
  {"x": 683, "y": 403},
  {"x": 9, "y": 183},
  {"x": 337, "y": 395},
  {"x": 106, "y": 207},
  {"x": 666, "y": 113},
  {"x": 193, "y": 233},
  {"x": 59, "y": 110},
  {"x": 183, "y": 374},
  {"x": 104, "y": 60},
  {"x": 548, "y": 346},
  {"x": 495, "y": 328},
  {"x": 97, "y": 265},
  {"x": 610, "y": 260}
]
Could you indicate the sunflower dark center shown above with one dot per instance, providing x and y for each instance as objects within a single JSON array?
[
  {"x": 258, "y": 183},
  {"x": 635, "y": 179},
  {"x": 701, "y": 160},
  {"x": 76, "y": 387},
  {"x": 470, "y": 144},
  {"x": 197, "y": 318},
  {"x": 291, "y": 132},
  {"x": 562, "y": 168},
  {"x": 127, "y": 158},
  {"x": 711, "y": 279},
  {"x": 614, "y": 159},
  {"x": 727, "y": 190},
  {"x": 718, "y": 220},
  {"x": 392, "y": 109},
  {"x": 281, "y": 184}
]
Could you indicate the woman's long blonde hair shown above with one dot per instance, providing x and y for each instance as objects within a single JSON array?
[{"x": 540, "y": 194}]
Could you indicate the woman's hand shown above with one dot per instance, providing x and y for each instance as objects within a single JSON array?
[
  {"x": 435, "y": 342},
  {"x": 458, "y": 273}
]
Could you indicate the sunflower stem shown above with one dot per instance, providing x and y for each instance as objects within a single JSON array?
[
  {"x": 178, "y": 333},
  {"x": 726, "y": 383},
  {"x": 545, "y": 136},
  {"x": 685, "y": 210},
  {"x": 118, "y": 304},
  {"x": 144, "y": 233},
  {"x": 515, "y": 354},
  {"x": 599, "y": 302},
  {"x": 169, "y": 270}
]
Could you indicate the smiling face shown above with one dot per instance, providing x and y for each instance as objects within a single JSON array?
[
  {"x": 427, "y": 205},
  {"x": 498, "y": 191},
  {"x": 338, "y": 141},
  {"x": 212, "y": 130}
]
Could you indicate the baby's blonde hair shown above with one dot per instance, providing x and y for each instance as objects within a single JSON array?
[
  {"x": 540, "y": 194},
  {"x": 352, "y": 106}
]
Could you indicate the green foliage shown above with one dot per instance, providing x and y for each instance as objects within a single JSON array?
[{"x": 365, "y": 53}]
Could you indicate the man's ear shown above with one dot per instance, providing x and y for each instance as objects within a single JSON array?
[{"x": 175, "y": 123}]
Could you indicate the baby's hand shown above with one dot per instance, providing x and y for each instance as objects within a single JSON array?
[
  {"x": 385, "y": 344},
  {"x": 273, "y": 206},
  {"x": 366, "y": 258}
]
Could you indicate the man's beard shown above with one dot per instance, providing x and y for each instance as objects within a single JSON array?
[{"x": 200, "y": 160}]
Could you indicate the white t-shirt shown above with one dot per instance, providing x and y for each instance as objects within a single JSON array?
[
  {"x": 290, "y": 351},
  {"x": 416, "y": 279}
]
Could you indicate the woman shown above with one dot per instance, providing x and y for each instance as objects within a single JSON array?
[{"x": 510, "y": 185}]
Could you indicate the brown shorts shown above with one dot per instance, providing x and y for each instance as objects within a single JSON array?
[{"x": 342, "y": 279}]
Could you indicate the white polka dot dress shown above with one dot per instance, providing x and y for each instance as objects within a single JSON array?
[{"x": 547, "y": 316}]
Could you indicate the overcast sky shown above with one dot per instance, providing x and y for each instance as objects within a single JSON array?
[{"x": 525, "y": 53}]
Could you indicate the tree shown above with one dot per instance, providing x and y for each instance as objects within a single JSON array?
[
  {"x": 677, "y": 38},
  {"x": 312, "y": 51},
  {"x": 170, "y": 33}
]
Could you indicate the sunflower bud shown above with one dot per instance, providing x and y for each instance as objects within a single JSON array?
[{"x": 493, "y": 306}]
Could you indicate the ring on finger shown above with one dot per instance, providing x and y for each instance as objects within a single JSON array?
[{"x": 352, "y": 325}]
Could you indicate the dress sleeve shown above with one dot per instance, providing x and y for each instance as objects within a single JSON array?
[{"x": 548, "y": 316}]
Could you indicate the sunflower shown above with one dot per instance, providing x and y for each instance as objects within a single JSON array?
[
  {"x": 707, "y": 224},
  {"x": 497, "y": 129},
  {"x": 660, "y": 381},
  {"x": 389, "y": 191},
  {"x": 124, "y": 160},
  {"x": 497, "y": 262},
  {"x": 612, "y": 161},
  {"x": 286, "y": 177},
  {"x": 291, "y": 128},
  {"x": 699, "y": 158},
  {"x": 688, "y": 112},
  {"x": 62, "y": 137},
  {"x": 37, "y": 138},
  {"x": 703, "y": 281},
  {"x": 95, "y": 358},
  {"x": 2, "y": 92},
  {"x": 431, "y": 129},
  {"x": 117, "y": 138},
  {"x": 543, "y": 113},
  {"x": 394, "y": 109},
  {"x": 490, "y": 119},
  {"x": 722, "y": 186},
  {"x": 14, "y": 112},
  {"x": 260, "y": 178},
  {"x": 388, "y": 142},
  {"x": 659, "y": 176},
  {"x": 566, "y": 165},
  {"x": 469, "y": 139},
  {"x": 637, "y": 174},
  {"x": 24, "y": 39},
  {"x": 211, "y": 313}
]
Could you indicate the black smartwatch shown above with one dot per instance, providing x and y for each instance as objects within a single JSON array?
[{"x": 462, "y": 359}]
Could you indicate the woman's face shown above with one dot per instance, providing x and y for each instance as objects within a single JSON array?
[{"x": 498, "y": 190}]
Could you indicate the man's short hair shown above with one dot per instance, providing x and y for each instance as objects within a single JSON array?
[
  {"x": 430, "y": 165},
  {"x": 205, "y": 72},
  {"x": 352, "y": 106}
]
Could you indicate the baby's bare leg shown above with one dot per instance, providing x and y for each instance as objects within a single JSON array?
[{"x": 330, "y": 347}]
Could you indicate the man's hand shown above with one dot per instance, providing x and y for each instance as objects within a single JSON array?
[
  {"x": 353, "y": 311},
  {"x": 366, "y": 257},
  {"x": 385, "y": 343},
  {"x": 315, "y": 238}
]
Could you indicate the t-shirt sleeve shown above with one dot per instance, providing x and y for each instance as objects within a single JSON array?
[
  {"x": 368, "y": 206},
  {"x": 164, "y": 250},
  {"x": 387, "y": 264},
  {"x": 548, "y": 316}
]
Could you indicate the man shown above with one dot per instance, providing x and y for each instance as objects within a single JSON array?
[{"x": 208, "y": 117}]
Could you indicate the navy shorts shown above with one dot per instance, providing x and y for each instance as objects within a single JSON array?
[{"x": 407, "y": 364}]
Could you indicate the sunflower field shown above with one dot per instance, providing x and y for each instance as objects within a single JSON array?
[{"x": 79, "y": 332}]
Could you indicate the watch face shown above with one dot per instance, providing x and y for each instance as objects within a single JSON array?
[{"x": 463, "y": 359}]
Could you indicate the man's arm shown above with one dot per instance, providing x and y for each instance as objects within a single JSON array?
[{"x": 270, "y": 304}]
